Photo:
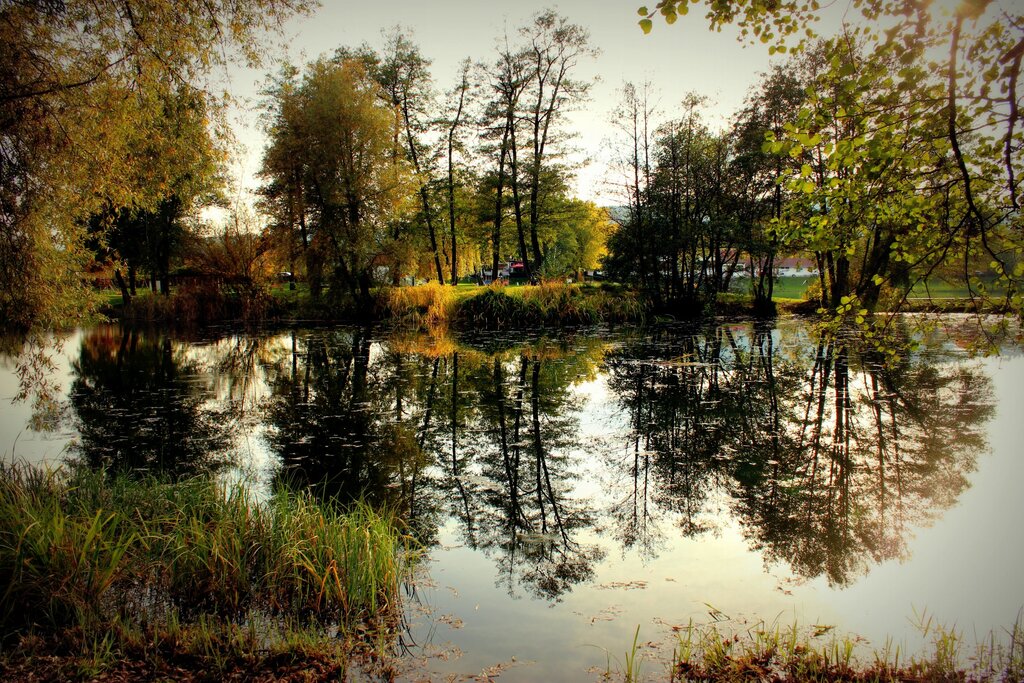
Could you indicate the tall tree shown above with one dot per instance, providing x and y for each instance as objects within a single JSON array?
[
  {"x": 354, "y": 186},
  {"x": 454, "y": 124},
  {"x": 282, "y": 197},
  {"x": 555, "y": 48},
  {"x": 74, "y": 78},
  {"x": 508, "y": 78},
  {"x": 769, "y": 107},
  {"x": 404, "y": 75},
  {"x": 633, "y": 118}
]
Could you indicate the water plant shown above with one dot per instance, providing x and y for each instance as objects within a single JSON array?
[
  {"x": 95, "y": 564},
  {"x": 426, "y": 305},
  {"x": 726, "y": 652}
]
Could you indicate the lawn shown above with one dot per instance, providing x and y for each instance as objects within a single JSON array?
[{"x": 785, "y": 287}]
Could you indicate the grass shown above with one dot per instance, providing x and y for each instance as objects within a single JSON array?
[
  {"x": 791, "y": 287},
  {"x": 111, "y": 568},
  {"x": 716, "y": 653},
  {"x": 196, "y": 303},
  {"x": 548, "y": 305},
  {"x": 428, "y": 305}
]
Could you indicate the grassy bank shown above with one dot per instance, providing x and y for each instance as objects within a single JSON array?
[
  {"x": 498, "y": 307},
  {"x": 190, "y": 577},
  {"x": 199, "y": 304},
  {"x": 550, "y": 305},
  {"x": 727, "y": 652}
]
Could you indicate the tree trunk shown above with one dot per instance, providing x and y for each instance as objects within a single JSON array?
[
  {"x": 496, "y": 233},
  {"x": 126, "y": 297}
]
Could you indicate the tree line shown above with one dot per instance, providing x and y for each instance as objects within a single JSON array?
[
  {"x": 887, "y": 156},
  {"x": 371, "y": 174}
]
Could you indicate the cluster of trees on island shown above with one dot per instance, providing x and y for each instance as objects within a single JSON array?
[
  {"x": 369, "y": 173},
  {"x": 885, "y": 156}
]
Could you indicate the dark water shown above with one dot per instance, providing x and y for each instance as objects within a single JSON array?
[{"x": 572, "y": 488}]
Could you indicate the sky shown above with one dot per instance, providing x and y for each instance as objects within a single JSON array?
[{"x": 675, "y": 59}]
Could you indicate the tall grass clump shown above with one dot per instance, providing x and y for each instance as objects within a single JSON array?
[
  {"x": 549, "y": 304},
  {"x": 190, "y": 565},
  {"x": 772, "y": 652},
  {"x": 494, "y": 308},
  {"x": 617, "y": 305},
  {"x": 427, "y": 305},
  {"x": 560, "y": 304}
]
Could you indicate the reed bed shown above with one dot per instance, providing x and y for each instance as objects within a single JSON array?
[
  {"x": 427, "y": 305},
  {"x": 724, "y": 652},
  {"x": 202, "y": 303},
  {"x": 549, "y": 304},
  {"x": 97, "y": 564}
]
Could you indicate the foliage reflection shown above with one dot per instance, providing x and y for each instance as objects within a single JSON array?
[{"x": 540, "y": 453}]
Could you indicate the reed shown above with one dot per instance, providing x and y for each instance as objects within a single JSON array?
[
  {"x": 720, "y": 652},
  {"x": 427, "y": 305},
  {"x": 549, "y": 304},
  {"x": 101, "y": 564},
  {"x": 203, "y": 302},
  {"x": 494, "y": 308}
]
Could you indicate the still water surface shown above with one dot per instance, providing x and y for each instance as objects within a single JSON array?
[{"x": 574, "y": 487}]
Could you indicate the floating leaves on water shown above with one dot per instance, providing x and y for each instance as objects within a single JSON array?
[
  {"x": 625, "y": 585},
  {"x": 607, "y": 614},
  {"x": 451, "y": 620},
  {"x": 487, "y": 673}
]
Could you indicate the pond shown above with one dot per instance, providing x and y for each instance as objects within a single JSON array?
[{"x": 574, "y": 487}]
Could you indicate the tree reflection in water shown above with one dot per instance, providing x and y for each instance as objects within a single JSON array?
[
  {"x": 826, "y": 458},
  {"x": 139, "y": 406}
]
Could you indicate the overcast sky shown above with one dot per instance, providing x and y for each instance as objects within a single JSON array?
[{"x": 675, "y": 59}]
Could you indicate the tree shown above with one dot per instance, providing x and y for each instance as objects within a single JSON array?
[
  {"x": 404, "y": 75},
  {"x": 352, "y": 183},
  {"x": 580, "y": 234},
  {"x": 630, "y": 255},
  {"x": 507, "y": 78},
  {"x": 678, "y": 240},
  {"x": 770, "y": 106},
  {"x": 237, "y": 253},
  {"x": 554, "y": 50},
  {"x": 282, "y": 197},
  {"x": 938, "y": 138},
  {"x": 454, "y": 124},
  {"x": 179, "y": 173},
  {"x": 76, "y": 83}
]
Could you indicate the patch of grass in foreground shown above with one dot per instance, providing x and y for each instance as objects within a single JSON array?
[
  {"x": 193, "y": 574},
  {"x": 715, "y": 653}
]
